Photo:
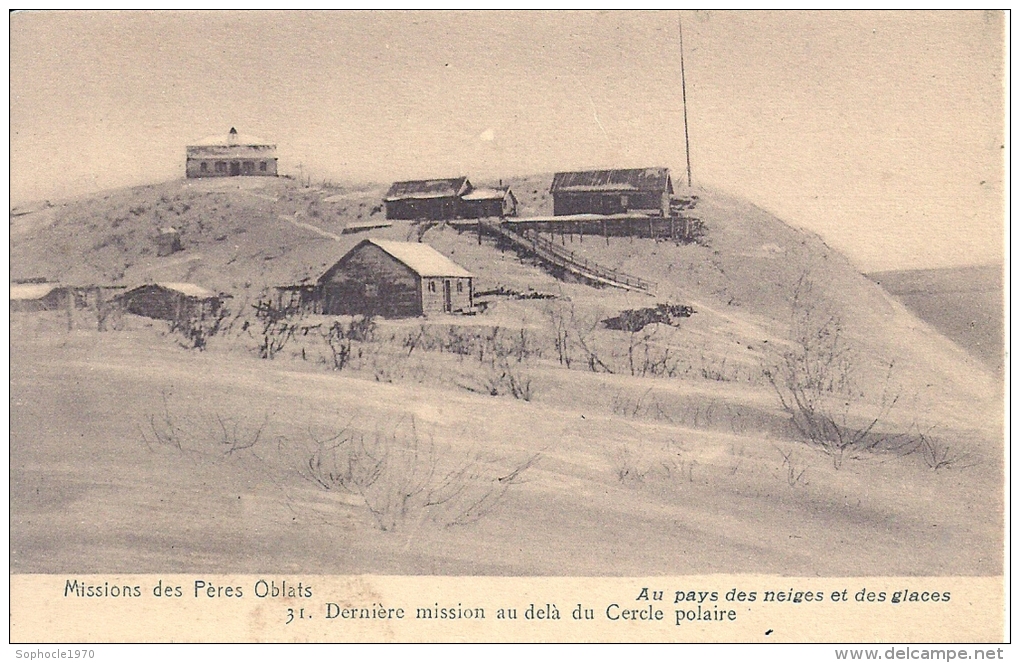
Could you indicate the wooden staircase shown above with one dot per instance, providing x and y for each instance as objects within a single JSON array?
[{"x": 559, "y": 258}]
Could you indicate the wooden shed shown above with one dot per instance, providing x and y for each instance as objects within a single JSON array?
[
  {"x": 168, "y": 242},
  {"x": 395, "y": 280},
  {"x": 171, "y": 301},
  {"x": 426, "y": 199},
  {"x": 38, "y": 296},
  {"x": 481, "y": 203},
  {"x": 644, "y": 190}
]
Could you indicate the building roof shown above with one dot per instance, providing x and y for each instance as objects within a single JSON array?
[
  {"x": 29, "y": 291},
  {"x": 620, "y": 180},
  {"x": 422, "y": 259},
  {"x": 422, "y": 189},
  {"x": 188, "y": 289},
  {"x": 231, "y": 139},
  {"x": 487, "y": 194}
]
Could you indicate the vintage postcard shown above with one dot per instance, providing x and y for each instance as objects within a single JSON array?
[{"x": 516, "y": 326}]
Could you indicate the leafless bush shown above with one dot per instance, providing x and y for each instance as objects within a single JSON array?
[
  {"x": 274, "y": 327},
  {"x": 816, "y": 384},
  {"x": 198, "y": 324},
  {"x": 163, "y": 429},
  {"x": 794, "y": 472},
  {"x": 341, "y": 338},
  {"x": 669, "y": 464},
  {"x": 236, "y": 437},
  {"x": 504, "y": 377},
  {"x": 169, "y": 428},
  {"x": 937, "y": 454},
  {"x": 402, "y": 479}
]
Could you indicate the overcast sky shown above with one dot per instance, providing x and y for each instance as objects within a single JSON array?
[{"x": 883, "y": 132}]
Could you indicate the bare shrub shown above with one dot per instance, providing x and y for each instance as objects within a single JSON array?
[
  {"x": 669, "y": 464},
  {"x": 164, "y": 429},
  {"x": 794, "y": 471},
  {"x": 341, "y": 338},
  {"x": 572, "y": 334},
  {"x": 274, "y": 327},
  {"x": 402, "y": 479},
  {"x": 197, "y": 324},
  {"x": 234, "y": 436},
  {"x": 198, "y": 434},
  {"x": 816, "y": 384},
  {"x": 937, "y": 454}
]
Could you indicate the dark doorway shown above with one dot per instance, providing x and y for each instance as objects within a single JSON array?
[
  {"x": 447, "y": 301},
  {"x": 235, "y": 168}
]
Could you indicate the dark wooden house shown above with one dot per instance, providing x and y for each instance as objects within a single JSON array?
[
  {"x": 481, "y": 203},
  {"x": 426, "y": 199},
  {"x": 171, "y": 301},
  {"x": 395, "y": 280},
  {"x": 641, "y": 190}
]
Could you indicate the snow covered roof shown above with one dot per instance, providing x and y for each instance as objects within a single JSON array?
[
  {"x": 419, "y": 189},
  {"x": 189, "y": 289},
  {"x": 421, "y": 258},
  {"x": 29, "y": 291},
  {"x": 231, "y": 139},
  {"x": 486, "y": 194},
  {"x": 623, "y": 180}
]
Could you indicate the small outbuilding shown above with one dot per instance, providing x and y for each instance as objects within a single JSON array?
[
  {"x": 168, "y": 242},
  {"x": 435, "y": 200},
  {"x": 481, "y": 203},
  {"x": 634, "y": 190},
  {"x": 171, "y": 301},
  {"x": 38, "y": 297},
  {"x": 395, "y": 280}
]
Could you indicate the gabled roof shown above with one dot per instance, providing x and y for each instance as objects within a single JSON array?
[
  {"x": 632, "y": 179},
  {"x": 421, "y": 189},
  {"x": 29, "y": 291},
  {"x": 186, "y": 289},
  {"x": 421, "y": 259},
  {"x": 488, "y": 194},
  {"x": 189, "y": 289}
]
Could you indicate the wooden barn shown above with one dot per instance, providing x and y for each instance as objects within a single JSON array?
[
  {"x": 38, "y": 297},
  {"x": 426, "y": 199},
  {"x": 171, "y": 301},
  {"x": 481, "y": 203},
  {"x": 642, "y": 190},
  {"x": 395, "y": 280}
]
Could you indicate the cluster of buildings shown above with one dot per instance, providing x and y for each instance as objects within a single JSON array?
[{"x": 402, "y": 279}]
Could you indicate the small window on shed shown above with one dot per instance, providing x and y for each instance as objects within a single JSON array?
[
  {"x": 432, "y": 286},
  {"x": 221, "y": 166},
  {"x": 460, "y": 286},
  {"x": 204, "y": 167},
  {"x": 262, "y": 166}
]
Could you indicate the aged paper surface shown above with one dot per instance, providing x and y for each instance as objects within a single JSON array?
[{"x": 508, "y": 327}]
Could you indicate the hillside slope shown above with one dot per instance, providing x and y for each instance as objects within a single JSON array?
[
  {"x": 671, "y": 436},
  {"x": 964, "y": 303}
]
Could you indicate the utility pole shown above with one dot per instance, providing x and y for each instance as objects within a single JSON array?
[{"x": 683, "y": 87}]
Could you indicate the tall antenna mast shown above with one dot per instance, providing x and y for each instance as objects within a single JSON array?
[{"x": 683, "y": 87}]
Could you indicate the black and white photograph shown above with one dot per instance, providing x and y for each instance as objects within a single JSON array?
[{"x": 592, "y": 294}]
